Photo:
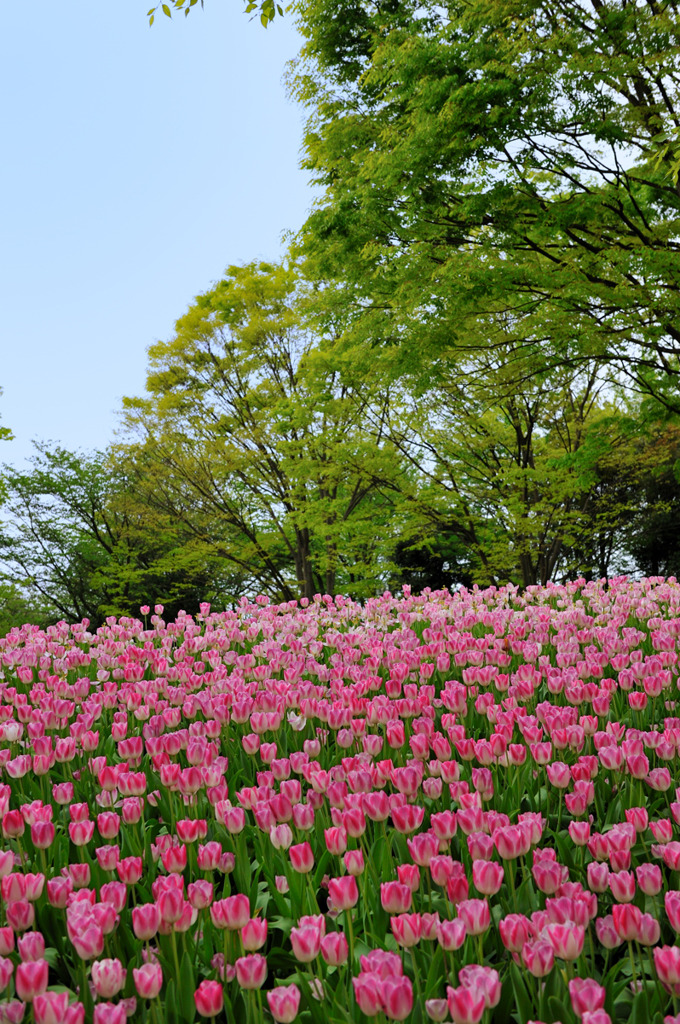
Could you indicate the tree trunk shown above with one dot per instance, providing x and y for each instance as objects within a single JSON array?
[{"x": 303, "y": 564}]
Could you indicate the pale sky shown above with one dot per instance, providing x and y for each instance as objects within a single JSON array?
[{"x": 137, "y": 163}]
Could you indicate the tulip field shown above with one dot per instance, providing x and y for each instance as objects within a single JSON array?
[{"x": 449, "y": 807}]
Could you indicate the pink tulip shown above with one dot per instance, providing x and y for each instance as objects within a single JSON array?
[
  {"x": 343, "y": 892},
  {"x": 50, "y": 1007},
  {"x": 649, "y": 878},
  {"x": 354, "y": 862},
  {"x": 483, "y": 980},
  {"x": 475, "y": 915},
  {"x": 607, "y": 933},
  {"x": 30, "y": 979},
  {"x": 397, "y": 997},
  {"x": 109, "y": 1013},
  {"x": 367, "y": 992},
  {"x": 146, "y": 920},
  {"x": 538, "y": 957},
  {"x": 510, "y": 842},
  {"x": 231, "y": 913},
  {"x": 284, "y": 1002},
  {"x": 667, "y": 964},
  {"x": 586, "y": 995},
  {"x": 596, "y": 1017},
  {"x": 622, "y": 885},
  {"x": 466, "y": 1006},
  {"x": 437, "y": 1009},
  {"x": 200, "y": 893},
  {"x": 42, "y": 834},
  {"x": 251, "y": 971},
  {"x": 130, "y": 870},
  {"x": 408, "y": 818},
  {"x": 566, "y": 940},
  {"x": 336, "y": 840},
  {"x": 672, "y": 904},
  {"x": 170, "y": 905},
  {"x": 108, "y": 977},
  {"x": 20, "y": 915},
  {"x": 423, "y": 847},
  {"x": 209, "y": 998},
  {"x": 306, "y": 943},
  {"x": 650, "y": 930},
  {"x": 451, "y": 934},
  {"x": 88, "y": 943},
  {"x": 148, "y": 980},
  {"x": 6, "y": 971},
  {"x": 627, "y": 920},
  {"x": 301, "y": 858},
  {"x": 487, "y": 876},
  {"x": 334, "y": 949},
  {"x": 81, "y": 832},
  {"x": 407, "y": 929},
  {"x": 409, "y": 875},
  {"x": 31, "y": 946},
  {"x": 395, "y": 898}
]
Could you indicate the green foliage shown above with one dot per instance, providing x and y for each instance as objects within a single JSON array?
[
  {"x": 271, "y": 447},
  {"x": 531, "y": 484},
  {"x": 653, "y": 538},
  {"x": 489, "y": 167},
  {"x": 268, "y": 9},
  {"x": 77, "y": 543},
  {"x": 16, "y": 609}
]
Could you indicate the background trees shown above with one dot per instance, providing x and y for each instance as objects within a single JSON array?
[
  {"x": 259, "y": 429},
  {"x": 275, "y": 452},
  {"x": 467, "y": 372},
  {"x": 77, "y": 542}
]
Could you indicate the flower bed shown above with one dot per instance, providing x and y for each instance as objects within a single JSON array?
[{"x": 447, "y": 807}]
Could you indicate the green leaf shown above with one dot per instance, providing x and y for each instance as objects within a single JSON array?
[
  {"x": 171, "y": 1003},
  {"x": 558, "y": 1010},
  {"x": 187, "y": 985},
  {"x": 166, "y": 10},
  {"x": 522, "y": 997}
]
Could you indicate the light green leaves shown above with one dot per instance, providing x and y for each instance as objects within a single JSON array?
[{"x": 268, "y": 9}]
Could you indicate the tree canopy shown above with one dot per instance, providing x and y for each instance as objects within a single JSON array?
[
  {"x": 265, "y": 431},
  {"x": 494, "y": 165}
]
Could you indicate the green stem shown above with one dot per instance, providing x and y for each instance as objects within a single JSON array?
[
  {"x": 174, "y": 953},
  {"x": 632, "y": 964},
  {"x": 510, "y": 874},
  {"x": 350, "y": 940},
  {"x": 416, "y": 976}
]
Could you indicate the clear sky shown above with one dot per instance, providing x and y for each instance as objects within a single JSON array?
[{"x": 137, "y": 163}]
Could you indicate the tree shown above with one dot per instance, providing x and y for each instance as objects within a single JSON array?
[
  {"x": 535, "y": 484},
  {"x": 78, "y": 543},
  {"x": 653, "y": 535},
  {"x": 260, "y": 435},
  {"x": 492, "y": 163}
]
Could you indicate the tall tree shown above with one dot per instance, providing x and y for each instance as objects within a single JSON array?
[
  {"x": 77, "y": 542},
  {"x": 265, "y": 432},
  {"x": 490, "y": 160},
  {"x": 538, "y": 482}
]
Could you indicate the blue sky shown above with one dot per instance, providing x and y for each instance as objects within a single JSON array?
[{"x": 137, "y": 164}]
